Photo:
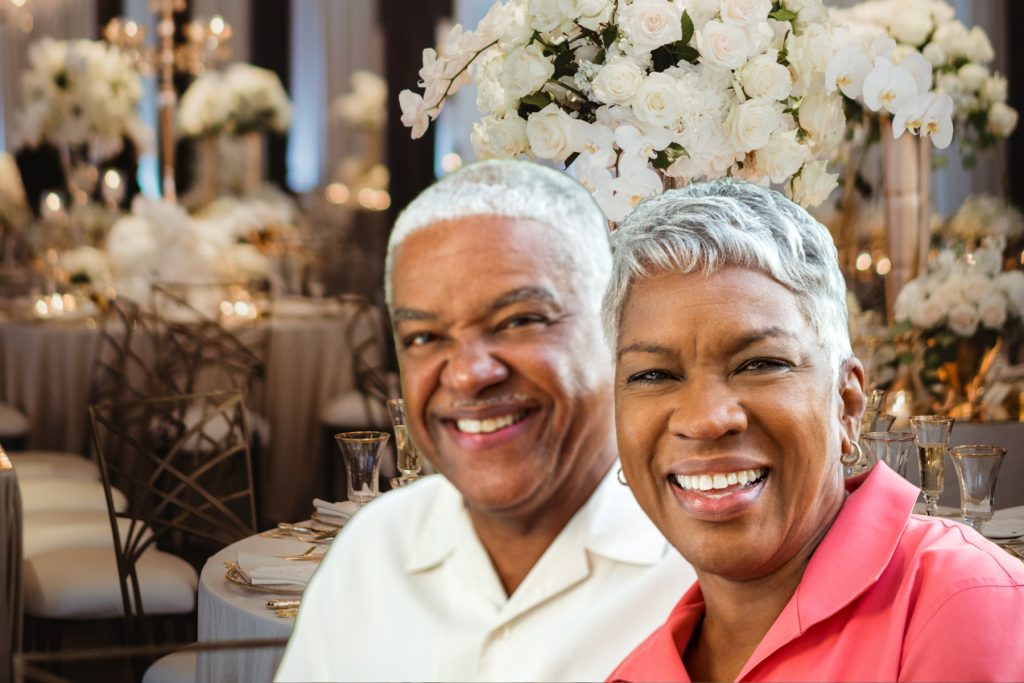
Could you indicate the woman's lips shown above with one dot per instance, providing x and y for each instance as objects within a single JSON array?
[{"x": 719, "y": 495}]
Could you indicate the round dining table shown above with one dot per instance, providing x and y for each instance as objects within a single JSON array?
[{"x": 231, "y": 612}]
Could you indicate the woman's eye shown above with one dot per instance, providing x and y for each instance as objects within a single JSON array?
[
  {"x": 418, "y": 339},
  {"x": 649, "y": 377},
  {"x": 761, "y": 365}
]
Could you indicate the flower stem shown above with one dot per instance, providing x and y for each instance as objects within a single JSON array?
[{"x": 452, "y": 80}]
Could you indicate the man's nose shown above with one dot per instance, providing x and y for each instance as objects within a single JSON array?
[
  {"x": 472, "y": 367},
  {"x": 706, "y": 411}
]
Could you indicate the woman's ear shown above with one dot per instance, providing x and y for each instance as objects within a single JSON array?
[{"x": 851, "y": 397}]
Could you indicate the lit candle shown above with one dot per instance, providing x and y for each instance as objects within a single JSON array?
[{"x": 113, "y": 187}]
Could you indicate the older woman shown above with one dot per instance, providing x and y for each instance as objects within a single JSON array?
[{"x": 737, "y": 394}]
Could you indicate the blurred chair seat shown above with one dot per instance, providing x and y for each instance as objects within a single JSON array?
[
  {"x": 82, "y": 583},
  {"x": 14, "y": 427},
  {"x": 177, "y": 667},
  {"x": 354, "y": 410},
  {"x": 54, "y": 465},
  {"x": 67, "y": 494},
  {"x": 47, "y": 530}
]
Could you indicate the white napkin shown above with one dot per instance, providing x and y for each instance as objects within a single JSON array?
[
  {"x": 261, "y": 570},
  {"x": 340, "y": 511}
]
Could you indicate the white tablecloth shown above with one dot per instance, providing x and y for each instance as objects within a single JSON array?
[
  {"x": 45, "y": 370},
  {"x": 230, "y": 612}
]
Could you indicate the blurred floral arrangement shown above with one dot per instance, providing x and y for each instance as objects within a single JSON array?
[
  {"x": 365, "y": 106},
  {"x": 981, "y": 217},
  {"x": 636, "y": 96},
  {"x": 916, "y": 33},
  {"x": 241, "y": 99},
  {"x": 957, "y": 315},
  {"x": 231, "y": 239},
  {"x": 80, "y": 92}
]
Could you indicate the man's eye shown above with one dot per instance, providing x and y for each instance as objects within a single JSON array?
[
  {"x": 649, "y": 377},
  {"x": 518, "y": 321},
  {"x": 418, "y": 339},
  {"x": 764, "y": 365}
]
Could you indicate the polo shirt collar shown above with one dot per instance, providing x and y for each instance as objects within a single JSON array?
[{"x": 611, "y": 522}]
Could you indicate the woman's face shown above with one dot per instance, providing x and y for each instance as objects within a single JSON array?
[{"x": 730, "y": 420}]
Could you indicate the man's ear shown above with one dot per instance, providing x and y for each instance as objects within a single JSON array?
[{"x": 851, "y": 398}]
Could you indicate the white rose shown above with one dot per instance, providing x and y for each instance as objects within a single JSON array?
[
  {"x": 1002, "y": 119},
  {"x": 814, "y": 184},
  {"x": 928, "y": 314},
  {"x": 807, "y": 12},
  {"x": 658, "y": 100},
  {"x": 910, "y": 297},
  {"x": 649, "y": 24},
  {"x": 722, "y": 45},
  {"x": 994, "y": 89},
  {"x": 823, "y": 118},
  {"x": 978, "y": 287},
  {"x": 545, "y": 15},
  {"x": 588, "y": 13},
  {"x": 752, "y": 123},
  {"x": 502, "y": 138},
  {"x": 525, "y": 70},
  {"x": 809, "y": 55},
  {"x": 781, "y": 157},
  {"x": 552, "y": 133},
  {"x": 517, "y": 30},
  {"x": 934, "y": 53},
  {"x": 963, "y": 319},
  {"x": 745, "y": 12},
  {"x": 972, "y": 77},
  {"x": 910, "y": 25},
  {"x": 763, "y": 76},
  {"x": 992, "y": 311},
  {"x": 953, "y": 38},
  {"x": 1012, "y": 285},
  {"x": 979, "y": 47},
  {"x": 617, "y": 82}
]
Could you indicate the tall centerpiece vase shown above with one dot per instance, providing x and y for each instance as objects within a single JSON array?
[
  {"x": 208, "y": 181},
  {"x": 906, "y": 181},
  {"x": 252, "y": 174}
]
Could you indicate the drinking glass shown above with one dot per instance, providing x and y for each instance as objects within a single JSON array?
[
  {"x": 882, "y": 422},
  {"x": 873, "y": 403},
  {"x": 892, "y": 448},
  {"x": 931, "y": 434},
  {"x": 362, "y": 452},
  {"x": 977, "y": 467},
  {"x": 407, "y": 455}
]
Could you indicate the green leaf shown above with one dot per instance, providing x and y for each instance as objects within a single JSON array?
[
  {"x": 571, "y": 158},
  {"x": 667, "y": 156},
  {"x": 609, "y": 35},
  {"x": 783, "y": 15},
  {"x": 687, "y": 24},
  {"x": 688, "y": 53}
]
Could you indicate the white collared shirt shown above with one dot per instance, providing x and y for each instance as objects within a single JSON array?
[{"x": 407, "y": 592}]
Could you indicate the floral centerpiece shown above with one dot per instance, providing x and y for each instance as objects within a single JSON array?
[
  {"x": 636, "y": 96},
  {"x": 80, "y": 93},
  {"x": 243, "y": 98},
  {"x": 364, "y": 108},
  {"x": 927, "y": 31},
  {"x": 959, "y": 310},
  {"x": 981, "y": 217}
]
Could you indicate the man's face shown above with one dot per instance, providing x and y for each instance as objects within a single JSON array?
[{"x": 505, "y": 375}]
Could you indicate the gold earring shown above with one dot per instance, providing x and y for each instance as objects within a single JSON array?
[
  {"x": 621, "y": 477},
  {"x": 856, "y": 452}
]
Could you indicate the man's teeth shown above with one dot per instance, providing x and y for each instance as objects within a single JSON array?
[
  {"x": 709, "y": 482},
  {"x": 491, "y": 424}
]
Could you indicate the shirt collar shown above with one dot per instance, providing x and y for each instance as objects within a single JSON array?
[{"x": 612, "y": 523}]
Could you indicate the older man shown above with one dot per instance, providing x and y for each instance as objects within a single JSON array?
[{"x": 526, "y": 560}]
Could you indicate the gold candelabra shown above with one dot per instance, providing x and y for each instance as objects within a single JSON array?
[{"x": 205, "y": 44}]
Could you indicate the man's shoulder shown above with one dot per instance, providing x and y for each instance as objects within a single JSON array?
[{"x": 410, "y": 505}]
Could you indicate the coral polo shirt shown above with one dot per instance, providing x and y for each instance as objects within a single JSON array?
[{"x": 887, "y": 596}]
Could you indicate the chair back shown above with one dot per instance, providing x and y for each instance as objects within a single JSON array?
[
  {"x": 10, "y": 563},
  {"x": 184, "y": 466},
  {"x": 365, "y": 336}
]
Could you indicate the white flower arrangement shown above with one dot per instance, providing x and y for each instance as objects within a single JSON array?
[
  {"x": 964, "y": 295},
  {"x": 86, "y": 265},
  {"x": 922, "y": 42},
  {"x": 636, "y": 95},
  {"x": 365, "y": 106},
  {"x": 981, "y": 217},
  {"x": 80, "y": 92},
  {"x": 241, "y": 99}
]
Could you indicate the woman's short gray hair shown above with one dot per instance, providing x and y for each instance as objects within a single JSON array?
[
  {"x": 708, "y": 226},
  {"x": 517, "y": 189}
]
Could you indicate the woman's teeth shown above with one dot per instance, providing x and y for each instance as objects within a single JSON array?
[
  {"x": 719, "y": 480},
  {"x": 491, "y": 424}
]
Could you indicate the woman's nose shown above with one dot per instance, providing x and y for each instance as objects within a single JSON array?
[
  {"x": 707, "y": 411},
  {"x": 471, "y": 368}
]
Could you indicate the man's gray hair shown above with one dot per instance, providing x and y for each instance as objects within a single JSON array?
[
  {"x": 517, "y": 189},
  {"x": 708, "y": 226}
]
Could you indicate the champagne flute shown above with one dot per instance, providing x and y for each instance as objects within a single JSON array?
[
  {"x": 931, "y": 434},
  {"x": 409, "y": 459},
  {"x": 977, "y": 467}
]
